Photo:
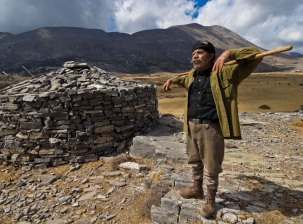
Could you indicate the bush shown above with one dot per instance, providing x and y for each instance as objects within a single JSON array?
[
  {"x": 115, "y": 162},
  {"x": 264, "y": 106},
  {"x": 157, "y": 191}
]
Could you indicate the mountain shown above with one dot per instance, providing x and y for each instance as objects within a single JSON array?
[
  {"x": 295, "y": 54},
  {"x": 3, "y": 35},
  {"x": 142, "y": 52}
]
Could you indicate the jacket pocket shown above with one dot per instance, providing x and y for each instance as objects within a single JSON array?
[{"x": 225, "y": 88}]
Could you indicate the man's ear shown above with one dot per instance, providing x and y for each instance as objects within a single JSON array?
[{"x": 211, "y": 56}]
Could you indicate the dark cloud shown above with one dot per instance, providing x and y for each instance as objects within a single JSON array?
[{"x": 20, "y": 16}]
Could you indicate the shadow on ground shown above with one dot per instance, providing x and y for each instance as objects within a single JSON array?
[
  {"x": 168, "y": 125},
  {"x": 268, "y": 196}
]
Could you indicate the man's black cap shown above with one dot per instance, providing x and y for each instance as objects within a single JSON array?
[{"x": 205, "y": 45}]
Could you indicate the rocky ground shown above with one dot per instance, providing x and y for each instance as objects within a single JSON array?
[{"x": 262, "y": 181}]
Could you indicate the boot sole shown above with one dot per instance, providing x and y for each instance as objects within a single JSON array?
[{"x": 193, "y": 197}]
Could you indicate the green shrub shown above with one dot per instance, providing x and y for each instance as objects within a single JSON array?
[{"x": 264, "y": 106}]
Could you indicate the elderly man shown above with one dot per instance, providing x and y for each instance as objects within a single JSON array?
[{"x": 211, "y": 113}]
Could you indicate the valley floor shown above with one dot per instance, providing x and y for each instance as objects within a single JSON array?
[{"x": 262, "y": 181}]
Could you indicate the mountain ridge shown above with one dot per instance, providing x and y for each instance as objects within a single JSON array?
[{"x": 145, "y": 51}]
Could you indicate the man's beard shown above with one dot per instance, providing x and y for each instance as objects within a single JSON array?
[
  {"x": 200, "y": 63},
  {"x": 197, "y": 62}
]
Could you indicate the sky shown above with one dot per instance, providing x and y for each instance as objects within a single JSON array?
[{"x": 267, "y": 23}]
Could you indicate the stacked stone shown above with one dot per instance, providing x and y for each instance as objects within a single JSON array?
[{"x": 74, "y": 114}]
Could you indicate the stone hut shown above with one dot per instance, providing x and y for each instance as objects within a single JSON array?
[{"x": 75, "y": 114}]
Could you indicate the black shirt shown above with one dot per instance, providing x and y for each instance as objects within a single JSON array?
[{"x": 201, "y": 102}]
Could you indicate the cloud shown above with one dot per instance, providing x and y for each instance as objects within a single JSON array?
[
  {"x": 266, "y": 23},
  {"x": 134, "y": 15},
  {"x": 25, "y": 15}
]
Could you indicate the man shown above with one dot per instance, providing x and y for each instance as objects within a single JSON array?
[{"x": 211, "y": 113}]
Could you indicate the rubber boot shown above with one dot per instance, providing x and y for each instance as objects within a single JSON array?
[
  {"x": 209, "y": 207},
  {"x": 195, "y": 191}
]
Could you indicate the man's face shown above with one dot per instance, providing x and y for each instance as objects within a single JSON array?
[{"x": 201, "y": 59}]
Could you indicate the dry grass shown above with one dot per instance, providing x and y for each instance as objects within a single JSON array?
[
  {"x": 115, "y": 162},
  {"x": 157, "y": 191},
  {"x": 279, "y": 90},
  {"x": 6, "y": 80},
  {"x": 297, "y": 123},
  {"x": 145, "y": 209}
]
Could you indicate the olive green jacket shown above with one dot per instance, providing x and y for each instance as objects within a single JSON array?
[{"x": 225, "y": 89}]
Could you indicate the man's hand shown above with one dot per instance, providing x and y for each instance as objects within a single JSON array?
[
  {"x": 220, "y": 61},
  {"x": 166, "y": 85}
]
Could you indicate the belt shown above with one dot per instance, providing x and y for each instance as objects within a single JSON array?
[{"x": 202, "y": 121}]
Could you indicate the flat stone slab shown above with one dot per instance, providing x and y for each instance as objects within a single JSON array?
[
  {"x": 56, "y": 221},
  {"x": 133, "y": 166},
  {"x": 87, "y": 196},
  {"x": 112, "y": 174}
]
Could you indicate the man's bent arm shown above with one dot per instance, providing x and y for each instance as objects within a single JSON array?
[{"x": 244, "y": 67}]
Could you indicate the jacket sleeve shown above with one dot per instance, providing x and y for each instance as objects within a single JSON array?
[
  {"x": 181, "y": 80},
  {"x": 244, "y": 67}
]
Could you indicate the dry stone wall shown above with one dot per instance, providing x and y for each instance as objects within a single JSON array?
[{"x": 74, "y": 114}]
